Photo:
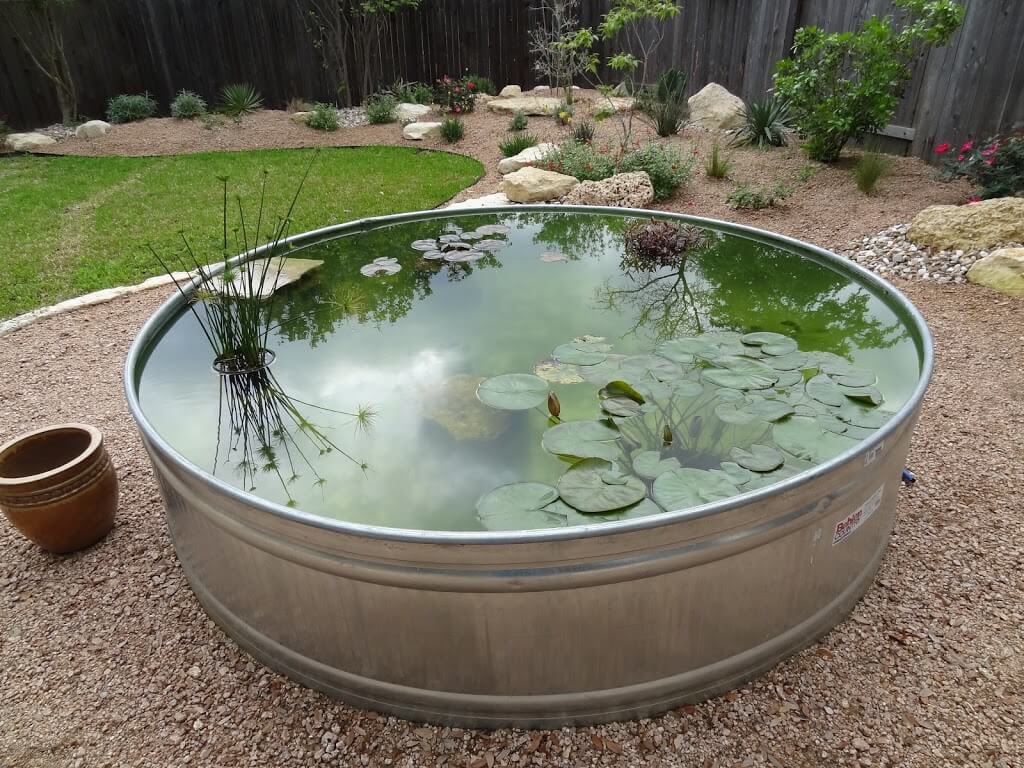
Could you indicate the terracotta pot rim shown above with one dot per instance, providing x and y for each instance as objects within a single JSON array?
[{"x": 95, "y": 440}]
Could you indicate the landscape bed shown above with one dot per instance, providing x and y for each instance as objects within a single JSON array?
[{"x": 717, "y": 493}]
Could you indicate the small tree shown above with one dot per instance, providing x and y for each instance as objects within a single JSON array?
[
  {"x": 843, "y": 85},
  {"x": 43, "y": 41},
  {"x": 640, "y": 23},
  {"x": 560, "y": 64}
]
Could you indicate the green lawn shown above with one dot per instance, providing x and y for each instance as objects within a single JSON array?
[{"x": 71, "y": 225}]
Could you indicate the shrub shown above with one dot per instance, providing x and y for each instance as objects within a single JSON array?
[
  {"x": 667, "y": 167},
  {"x": 127, "y": 108},
  {"x": 717, "y": 166},
  {"x": 765, "y": 124},
  {"x": 871, "y": 167},
  {"x": 483, "y": 84},
  {"x": 411, "y": 92},
  {"x": 239, "y": 99},
  {"x": 748, "y": 198},
  {"x": 455, "y": 96},
  {"x": 996, "y": 165},
  {"x": 518, "y": 122},
  {"x": 842, "y": 85},
  {"x": 516, "y": 143},
  {"x": 187, "y": 105},
  {"x": 452, "y": 129},
  {"x": 564, "y": 113},
  {"x": 380, "y": 108},
  {"x": 666, "y": 103},
  {"x": 324, "y": 117},
  {"x": 580, "y": 160},
  {"x": 583, "y": 133}
]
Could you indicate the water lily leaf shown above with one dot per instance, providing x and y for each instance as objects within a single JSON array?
[
  {"x": 731, "y": 413},
  {"x": 737, "y": 475},
  {"x": 592, "y": 342},
  {"x": 492, "y": 229},
  {"x": 803, "y": 437},
  {"x": 642, "y": 508},
  {"x": 620, "y": 406},
  {"x": 603, "y": 372},
  {"x": 830, "y": 423},
  {"x": 582, "y": 440},
  {"x": 867, "y": 394},
  {"x": 550, "y": 257},
  {"x": 641, "y": 366},
  {"x": 682, "y": 488},
  {"x": 849, "y": 375},
  {"x": 760, "y": 458},
  {"x": 490, "y": 245},
  {"x": 619, "y": 388},
  {"x": 649, "y": 464},
  {"x": 735, "y": 379},
  {"x": 679, "y": 349},
  {"x": 741, "y": 364},
  {"x": 513, "y": 391},
  {"x": 769, "y": 410},
  {"x": 374, "y": 269},
  {"x": 727, "y": 395},
  {"x": 433, "y": 255},
  {"x": 574, "y": 354},
  {"x": 518, "y": 506},
  {"x": 425, "y": 245},
  {"x": 764, "y": 338},
  {"x": 858, "y": 433},
  {"x": 557, "y": 373},
  {"x": 824, "y": 390},
  {"x": 585, "y": 488},
  {"x": 792, "y": 361},
  {"x": 789, "y": 378},
  {"x": 861, "y": 416}
]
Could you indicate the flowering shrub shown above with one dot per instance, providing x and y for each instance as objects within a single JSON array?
[
  {"x": 996, "y": 165},
  {"x": 456, "y": 96}
]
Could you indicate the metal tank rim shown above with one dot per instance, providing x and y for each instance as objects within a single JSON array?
[{"x": 883, "y": 289}]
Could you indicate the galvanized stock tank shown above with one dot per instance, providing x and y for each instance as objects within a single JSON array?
[{"x": 550, "y": 627}]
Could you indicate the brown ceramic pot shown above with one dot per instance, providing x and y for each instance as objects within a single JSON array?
[{"x": 58, "y": 486}]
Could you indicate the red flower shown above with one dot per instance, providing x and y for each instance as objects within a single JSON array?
[
  {"x": 960, "y": 157},
  {"x": 942, "y": 149},
  {"x": 990, "y": 160},
  {"x": 973, "y": 199},
  {"x": 967, "y": 146},
  {"x": 990, "y": 150},
  {"x": 457, "y": 108},
  {"x": 471, "y": 85}
]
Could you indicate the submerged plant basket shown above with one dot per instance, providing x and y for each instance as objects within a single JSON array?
[{"x": 58, "y": 487}]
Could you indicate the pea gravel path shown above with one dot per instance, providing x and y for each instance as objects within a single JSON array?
[{"x": 106, "y": 658}]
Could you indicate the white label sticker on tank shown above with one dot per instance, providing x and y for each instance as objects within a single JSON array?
[
  {"x": 857, "y": 518},
  {"x": 870, "y": 456}
]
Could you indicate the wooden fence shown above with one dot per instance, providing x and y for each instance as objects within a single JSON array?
[{"x": 969, "y": 88}]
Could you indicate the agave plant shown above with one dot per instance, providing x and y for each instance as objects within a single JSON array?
[
  {"x": 240, "y": 99},
  {"x": 666, "y": 103},
  {"x": 765, "y": 124}
]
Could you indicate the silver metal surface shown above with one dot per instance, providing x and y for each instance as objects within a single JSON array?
[{"x": 541, "y": 628}]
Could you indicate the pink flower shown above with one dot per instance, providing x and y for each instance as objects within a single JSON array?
[
  {"x": 990, "y": 160},
  {"x": 457, "y": 108},
  {"x": 960, "y": 157},
  {"x": 990, "y": 150},
  {"x": 967, "y": 146},
  {"x": 942, "y": 149},
  {"x": 471, "y": 85},
  {"x": 973, "y": 199}
]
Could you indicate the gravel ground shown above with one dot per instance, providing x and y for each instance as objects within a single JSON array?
[{"x": 106, "y": 658}]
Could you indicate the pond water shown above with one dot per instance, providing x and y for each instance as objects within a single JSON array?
[{"x": 710, "y": 410}]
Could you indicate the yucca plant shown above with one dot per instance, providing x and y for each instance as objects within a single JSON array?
[
  {"x": 583, "y": 132},
  {"x": 765, "y": 124},
  {"x": 240, "y": 99},
  {"x": 871, "y": 167},
  {"x": 516, "y": 143},
  {"x": 666, "y": 103}
]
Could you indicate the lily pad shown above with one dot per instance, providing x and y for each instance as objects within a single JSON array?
[
  {"x": 861, "y": 416},
  {"x": 682, "y": 488},
  {"x": 490, "y": 245},
  {"x": 789, "y": 378},
  {"x": 433, "y": 255},
  {"x": 492, "y": 229},
  {"x": 376, "y": 268},
  {"x": 642, "y": 508},
  {"x": 558, "y": 373},
  {"x": 769, "y": 410},
  {"x": 649, "y": 464},
  {"x": 620, "y": 406},
  {"x": 760, "y": 458},
  {"x": 803, "y": 437},
  {"x": 737, "y": 475},
  {"x": 731, "y": 413},
  {"x": 792, "y": 361},
  {"x": 826, "y": 391},
  {"x": 513, "y": 391},
  {"x": 518, "y": 506},
  {"x": 425, "y": 245},
  {"x": 577, "y": 354},
  {"x": 736, "y": 379},
  {"x": 675, "y": 349},
  {"x": 830, "y": 423},
  {"x": 849, "y": 375},
  {"x": 867, "y": 394},
  {"x": 582, "y": 440},
  {"x": 641, "y": 366},
  {"x": 584, "y": 487}
]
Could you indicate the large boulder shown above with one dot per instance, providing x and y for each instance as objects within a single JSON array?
[
  {"x": 623, "y": 190},
  {"x": 92, "y": 129},
  {"x": 714, "y": 108},
  {"x": 1002, "y": 270},
  {"x": 407, "y": 112},
  {"x": 29, "y": 142},
  {"x": 529, "y": 156},
  {"x": 534, "y": 185},
  {"x": 975, "y": 227},
  {"x": 299, "y": 118},
  {"x": 528, "y": 105},
  {"x": 420, "y": 131},
  {"x": 510, "y": 92},
  {"x": 487, "y": 201}
]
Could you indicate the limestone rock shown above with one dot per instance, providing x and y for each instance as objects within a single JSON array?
[
  {"x": 92, "y": 129},
  {"x": 979, "y": 226},
  {"x": 455, "y": 406},
  {"x": 278, "y": 273},
  {"x": 510, "y": 92},
  {"x": 420, "y": 131},
  {"x": 528, "y": 105},
  {"x": 623, "y": 190},
  {"x": 1001, "y": 270},
  {"x": 29, "y": 142},
  {"x": 299, "y": 117},
  {"x": 533, "y": 185},
  {"x": 487, "y": 201},
  {"x": 528, "y": 156},
  {"x": 410, "y": 113},
  {"x": 622, "y": 103},
  {"x": 542, "y": 88},
  {"x": 714, "y": 108}
]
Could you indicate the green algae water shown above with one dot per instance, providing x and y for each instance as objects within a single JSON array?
[{"x": 462, "y": 333}]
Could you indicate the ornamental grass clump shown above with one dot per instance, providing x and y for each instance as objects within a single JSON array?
[
  {"x": 717, "y": 166},
  {"x": 453, "y": 130},
  {"x": 748, "y": 198},
  {"x": 516, "y": 143},
  {"x": 127, "y": 108},
  {"x": 870, "y": 168},
  {"x": 188, "y": 106}
]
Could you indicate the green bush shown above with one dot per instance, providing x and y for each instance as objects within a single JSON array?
[
  {"x": 666, "y": 103},
  {"x": 518, "y": 122},
  {"x": 580, "y": 160},
  {"x": 380, "y": 108},
  {"x": 996, "y": 165},
  {"x": 842, "y": 85},
  {"x": 717, "y": 166},
  {"x": 323, "y": 117},
  {"x": 483, "y": 84},
  {"x": 411, "y": 92},
  {"x": 516, "y": 143},
  {"x": 187, "y": 105},
  {"x": 748, "y": 198},
  {"x": 667, "y": 167},
  {"x": 127, "y": 108},
  {"x": 240, "y": 99},
  {"x": 765, "y": 124},
  {"x": 583, "y": 132},
  {"x": 563, "y": 115},
  {"x": 871, "y": 167},
  {"x": 452, "y": 130}
]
